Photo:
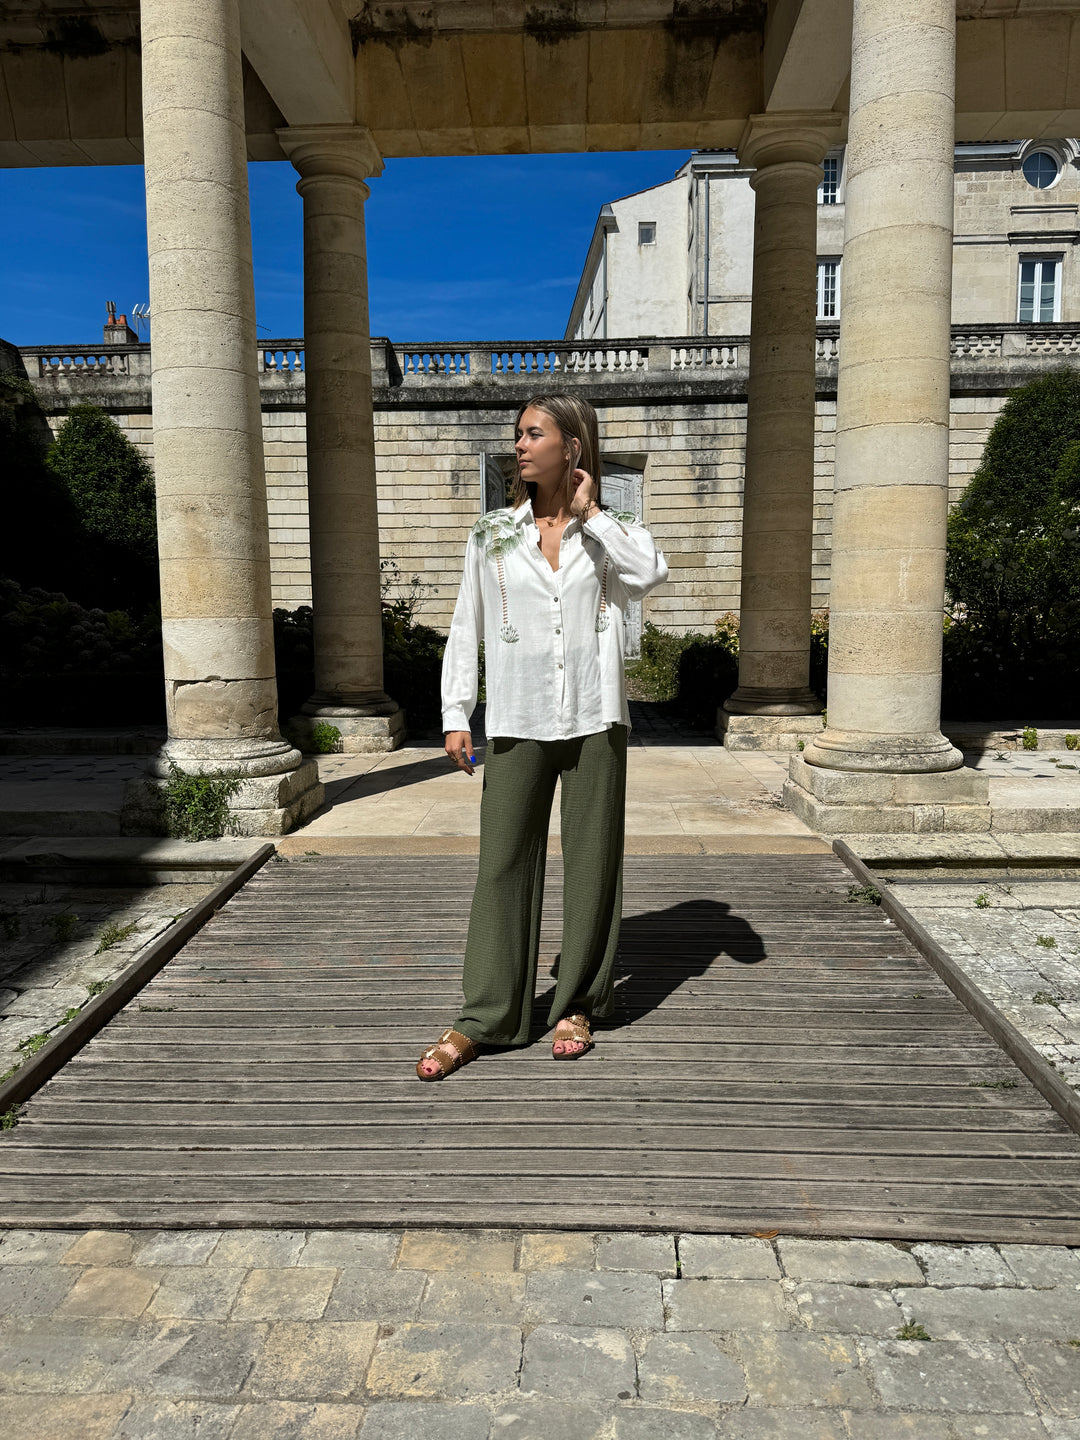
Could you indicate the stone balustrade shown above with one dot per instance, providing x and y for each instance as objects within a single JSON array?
[{"x": 987, "y": 355}]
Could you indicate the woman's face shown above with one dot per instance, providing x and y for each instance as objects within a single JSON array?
[{"x": 541, "y": 453}]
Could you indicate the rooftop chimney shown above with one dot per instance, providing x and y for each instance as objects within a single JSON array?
[{"x": 117, "y": 330}]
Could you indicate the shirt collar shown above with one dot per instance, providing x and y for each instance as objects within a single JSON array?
[{"x": 523, "y": 514}]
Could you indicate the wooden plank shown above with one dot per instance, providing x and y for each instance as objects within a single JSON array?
[{"x": 769, "y": 1060}]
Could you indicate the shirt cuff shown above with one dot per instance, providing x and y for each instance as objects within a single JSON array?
[
  {"x": 455, "y": 719},
  {"x": 601, "y": 524}
]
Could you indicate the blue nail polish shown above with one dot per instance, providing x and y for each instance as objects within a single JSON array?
[{"x": 472, "y": 759}]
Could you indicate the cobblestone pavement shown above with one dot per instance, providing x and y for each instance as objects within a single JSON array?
[
  {"x": 51, "y": 961},
  {"x": 250, "y": 1335},
  {"x": 1019, "y": 940}
]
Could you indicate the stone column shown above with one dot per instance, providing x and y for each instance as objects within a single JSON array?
[
  {"x": 892, "y": 442},
  {"x": 778, "y": 500},
  {"x": 208, "y": 455},
  {"x": 333, "y": 162}
]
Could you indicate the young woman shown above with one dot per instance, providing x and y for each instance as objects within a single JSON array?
[{"x": 545, "y": 585}]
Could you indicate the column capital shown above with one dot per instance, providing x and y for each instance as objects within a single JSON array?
[
  {"x": 342, "y": 151},
  {"x": 789, "y": 135}
]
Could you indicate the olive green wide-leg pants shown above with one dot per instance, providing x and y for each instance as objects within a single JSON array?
[{"x": 503, "y": 947}]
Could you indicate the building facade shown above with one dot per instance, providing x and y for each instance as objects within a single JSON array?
[{"x": 677, "y": 258}]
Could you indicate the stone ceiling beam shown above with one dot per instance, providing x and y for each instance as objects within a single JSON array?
[
  {"x": 807, "y": 55},
  {"x": 302, "y": 53}
]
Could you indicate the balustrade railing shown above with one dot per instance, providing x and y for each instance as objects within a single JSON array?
[
  {"x": 82, "y": 362},
  {"x": 281, "y": 357},
  {"x": 281, "y": 363},
  {"x": 705, "y": 357}
]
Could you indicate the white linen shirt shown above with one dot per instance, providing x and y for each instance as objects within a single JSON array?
[{"x": 553, "y": 639}]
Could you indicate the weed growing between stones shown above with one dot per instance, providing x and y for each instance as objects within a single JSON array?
[
  {"x": 9, "y": 1072},
  {"x": 863, "y": 895},
  {"x": 33, "y": 1043},
  {"x": 1043, "y": 997},
  {"x": 325, "y": 739},
  {"x": 1031, "y": 738},
  {"x": 110, "y": 936},
  {"x": 982, "y": 902},
  {"x": 63, "y": 926},
  {"x": 97, "y": 987},
  {"x": 10, "y": 1118},
  {"x": 912, "y": 1331},
  {"x": 1072, "y": 742},
  {"x": 1046, "y": 941},
  {"x": 1007, "y": 1083},
  {"x": 196, "y": 807}
]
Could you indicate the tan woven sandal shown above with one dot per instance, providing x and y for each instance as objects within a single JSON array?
[
  {"x": 450, "y": 1052},
  {"x": 580, "y": 1031}
]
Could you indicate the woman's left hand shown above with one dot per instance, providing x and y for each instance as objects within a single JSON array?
[{"x": 584, "y": 493}]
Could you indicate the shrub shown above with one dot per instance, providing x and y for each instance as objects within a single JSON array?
[
  {"x": 1013, "y": 561},
  {"x": 196, "y": 807},
  {"x": 39, "y": 542},
  {"x": 696, "y": 673},
  {"x": 111, "y": 487},
  {"x": 325, "y": 738},
  {"x": 61, "y": 664}
]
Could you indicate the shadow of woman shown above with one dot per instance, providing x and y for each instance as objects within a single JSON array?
[{"x": 661, "y": 950}]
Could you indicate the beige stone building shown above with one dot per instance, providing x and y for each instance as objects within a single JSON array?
[
  {"x": 676, "y": 259},
  {"x": 196, "y": 88}
]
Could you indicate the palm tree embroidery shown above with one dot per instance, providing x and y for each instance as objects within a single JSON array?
[{"x": 498, "y": 534}]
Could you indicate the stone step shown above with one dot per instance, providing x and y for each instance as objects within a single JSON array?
[
  {"x": 139, "y": 740},
  {"x": 134, "y": 860}
]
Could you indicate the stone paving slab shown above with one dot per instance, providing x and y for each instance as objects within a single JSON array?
[
  {"x": 249, "y": 1335},
  {"x": 51, "y": 961},
  {"x": 1019, "y": 941}
]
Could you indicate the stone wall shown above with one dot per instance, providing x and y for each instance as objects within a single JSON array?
[{"x": 672, "y": 411}]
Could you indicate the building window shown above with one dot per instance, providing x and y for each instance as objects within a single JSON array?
[
  {"x": 646, "y": 232},
  {"x": 1041, "y": 169},
  {"x": 1040, "y": 288},
  {"x": 828, "y": 289},
  {"x": 830, "y": 185}
]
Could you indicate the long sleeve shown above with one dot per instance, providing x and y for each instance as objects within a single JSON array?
[
  {"x": 632, "y": 551},
  {"x": 461, "y": 664}
]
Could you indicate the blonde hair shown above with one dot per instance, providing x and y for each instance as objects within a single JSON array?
[{"x": 576, "y": 420}]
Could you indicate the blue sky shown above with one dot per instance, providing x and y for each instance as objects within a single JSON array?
[{"x": 473, "y": 248}]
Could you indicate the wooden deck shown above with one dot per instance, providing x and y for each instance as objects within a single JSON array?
[{"x": 782, "y": 1059}]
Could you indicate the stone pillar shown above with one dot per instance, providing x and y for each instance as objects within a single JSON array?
[
  {"x": 892, "y": 443},
  {"x": 333, "y": 162},
  {"x": 208, "y": 456},
  {"x": 778, "y": 501}
]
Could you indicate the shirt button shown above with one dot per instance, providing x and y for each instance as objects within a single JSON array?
[
  {"x": 560, "y": 665},
  {"x": 558, "y": 632},
  {"x": 555, "y": 598}
]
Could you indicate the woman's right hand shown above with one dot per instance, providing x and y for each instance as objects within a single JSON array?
[{"x": 459, "y": 748}]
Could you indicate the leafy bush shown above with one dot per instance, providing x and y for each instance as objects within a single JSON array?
[
  {"x": 196, "y": 807},
  {"x": 1013, "y": 561},
  {"x": 325, "y": 739},
  {"x": 412, "y": 659},
  {"x": 63, "y": 664},
  {"x": 111, "y": 486},
  {"x": 39, "y": 542},
  {"x": 694, "y": 674}
]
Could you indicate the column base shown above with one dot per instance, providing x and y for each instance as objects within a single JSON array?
[
  {"x": 766, "y": 732},
  {"x": 278, "y": 788},
  {"x": 920, "y": 754},
  {"x": 844, "y": 802},
  {"x": 362, "y": 730},
  {"x": 772, "y": 700}
]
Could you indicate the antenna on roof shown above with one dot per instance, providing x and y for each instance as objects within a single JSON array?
[
  {"x": 141, "y": 315},
  {"x": 110, "y": 307}
]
